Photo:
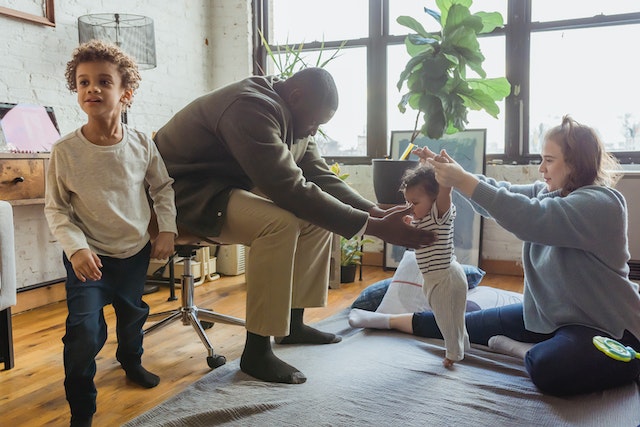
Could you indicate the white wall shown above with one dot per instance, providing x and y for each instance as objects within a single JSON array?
[{"x": 200, "y": 45}]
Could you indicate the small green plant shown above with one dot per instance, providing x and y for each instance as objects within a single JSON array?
[
  {"x": 289, "y": 59},
  {"x": 350, "y": 250},
  {"x": 335, "y": 168},
  {"x": 436, "y": 74}
]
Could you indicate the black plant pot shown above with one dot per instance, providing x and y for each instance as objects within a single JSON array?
[
  {"x": 348, "y": 273},
  {"x": 387, "y": 177}
]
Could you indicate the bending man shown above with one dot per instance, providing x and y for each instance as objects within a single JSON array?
[{"x": 247, "y": 170}]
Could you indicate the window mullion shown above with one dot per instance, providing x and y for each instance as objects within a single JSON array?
[
  {"x": 517, "y": 72},
  {"x": 377, "y": 80}
]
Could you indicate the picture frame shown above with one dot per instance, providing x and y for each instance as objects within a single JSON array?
[
  {"x": 47, "y": 18},
  {"x": 468, "y": 149}
]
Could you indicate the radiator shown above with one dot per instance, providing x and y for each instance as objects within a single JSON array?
[
  {"x": 231, "y": 260},
  {"x": 629, "y": 186}
]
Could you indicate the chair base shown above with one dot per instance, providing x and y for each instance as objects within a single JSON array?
[{"x": 190, "y": 314}]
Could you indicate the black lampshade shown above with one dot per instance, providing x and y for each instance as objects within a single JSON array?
[{"x": 134, "y": 34}]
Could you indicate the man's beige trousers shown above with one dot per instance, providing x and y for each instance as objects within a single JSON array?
[{"x": 287, "y": 264}]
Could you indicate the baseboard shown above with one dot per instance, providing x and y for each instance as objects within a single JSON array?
[
  {"x": 37, "y": 297},
  {"x": 508, "y": 268}
]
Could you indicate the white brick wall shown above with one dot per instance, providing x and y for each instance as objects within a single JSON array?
[{"x": 200, "y": 45}]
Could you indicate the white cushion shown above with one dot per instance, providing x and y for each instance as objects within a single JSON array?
[{"x": 405, "y": 291}]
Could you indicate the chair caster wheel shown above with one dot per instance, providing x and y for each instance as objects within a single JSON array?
[
  {"x": 216, "y": 361},
  {"x": 207, "y": 325}
]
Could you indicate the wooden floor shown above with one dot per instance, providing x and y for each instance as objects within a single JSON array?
[{"x": 32, "y": 393}]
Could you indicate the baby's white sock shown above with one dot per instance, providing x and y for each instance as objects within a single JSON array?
[
  {"x": 368, "y": 319},
  {"x": 506, "y": 345}
]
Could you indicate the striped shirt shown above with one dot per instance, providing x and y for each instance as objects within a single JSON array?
[{"x": 439, "y": 255}]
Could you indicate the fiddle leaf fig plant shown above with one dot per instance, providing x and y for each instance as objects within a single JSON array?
[{"x": 436, "y": 75}]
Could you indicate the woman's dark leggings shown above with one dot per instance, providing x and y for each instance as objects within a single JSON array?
[{"x": 562, "y": 363}]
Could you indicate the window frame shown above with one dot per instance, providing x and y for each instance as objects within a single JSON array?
[{"x": 517, "y": 34}]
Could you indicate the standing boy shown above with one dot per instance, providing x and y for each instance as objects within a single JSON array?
[{"x": 97, "y": 208}]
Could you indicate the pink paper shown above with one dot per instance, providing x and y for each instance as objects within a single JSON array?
[{"x": 28, "y": 128}]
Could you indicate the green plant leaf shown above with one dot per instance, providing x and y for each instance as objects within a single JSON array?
[
  {"x": 479, "y": 100},
  {"x": 413, "y": 24},
  {"x": 434, "y": 115},
  {"x": 417, "y": 40},
  {"x": 459, "y": 16},
  {"x": 445, "y": 6},
  {"x": 411, "y": 64},
  {"x": 434, "y": 14},
  {"x": 497, "y": 88},
  {"x": 490, "y": 21},
  {"x": 419, "y": 49}
]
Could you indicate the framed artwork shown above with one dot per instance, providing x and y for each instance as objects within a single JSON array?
[
  {"x": 31, "y": 11},
  {"x": 468, "y": 149}
]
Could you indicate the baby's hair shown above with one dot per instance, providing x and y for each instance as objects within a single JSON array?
[
  {"x": 585, "y": 155},
  {"x": 423, "y": 176},
  {"x": 96, "y": 51}
]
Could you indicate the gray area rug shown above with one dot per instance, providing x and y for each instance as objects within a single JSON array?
[{"x": 384, "y": 378}]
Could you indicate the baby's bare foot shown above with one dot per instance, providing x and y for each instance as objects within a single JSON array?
[{"x": 448, "y": 363}]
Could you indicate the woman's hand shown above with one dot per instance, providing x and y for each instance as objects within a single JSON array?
[{"x": 450, "y": 174}]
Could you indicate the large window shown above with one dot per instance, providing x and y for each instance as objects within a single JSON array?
[{"x": 571, "y": 57}]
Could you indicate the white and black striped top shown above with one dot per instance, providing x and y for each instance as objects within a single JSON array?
[{"x": 439, "y": 255}]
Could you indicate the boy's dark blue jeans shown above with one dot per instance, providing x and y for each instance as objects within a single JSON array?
[
  {"x": 121, "y": 285},
  {"x": 562, "y": 363}
]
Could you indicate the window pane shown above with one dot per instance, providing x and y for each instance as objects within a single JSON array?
[
  {"x": 493, "y": 49},
  {"x": 590, "y": 74},
  {"x": 554, "y": 10},
  {"x": 346, "y": 131},
  {"x": 415, "y": 9},
  {"x": 296, "y": 21}
]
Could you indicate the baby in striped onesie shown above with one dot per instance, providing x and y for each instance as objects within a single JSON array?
[{"x": 445, "y": 283}]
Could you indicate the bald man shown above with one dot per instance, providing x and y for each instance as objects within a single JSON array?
[{"x": 247, "y": 170}]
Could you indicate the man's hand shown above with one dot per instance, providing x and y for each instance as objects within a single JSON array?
[
  {"x": 86, "y": 264},
  {"x": 163, "y": 245},
  {"x": 393, "y": 229}
]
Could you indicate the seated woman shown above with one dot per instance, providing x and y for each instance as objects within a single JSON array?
[{"x": 575, "y": 254}]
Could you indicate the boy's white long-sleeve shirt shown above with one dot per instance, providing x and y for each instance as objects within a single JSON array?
[{"x": 95, "y": 195}]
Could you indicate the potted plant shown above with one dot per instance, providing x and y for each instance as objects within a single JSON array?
[
  {"x": 350, "y": 249},
  {"x": 438, "y": 85},
  {"x": 436, "y": 75},
  {"x": 350, "y": 257}
]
